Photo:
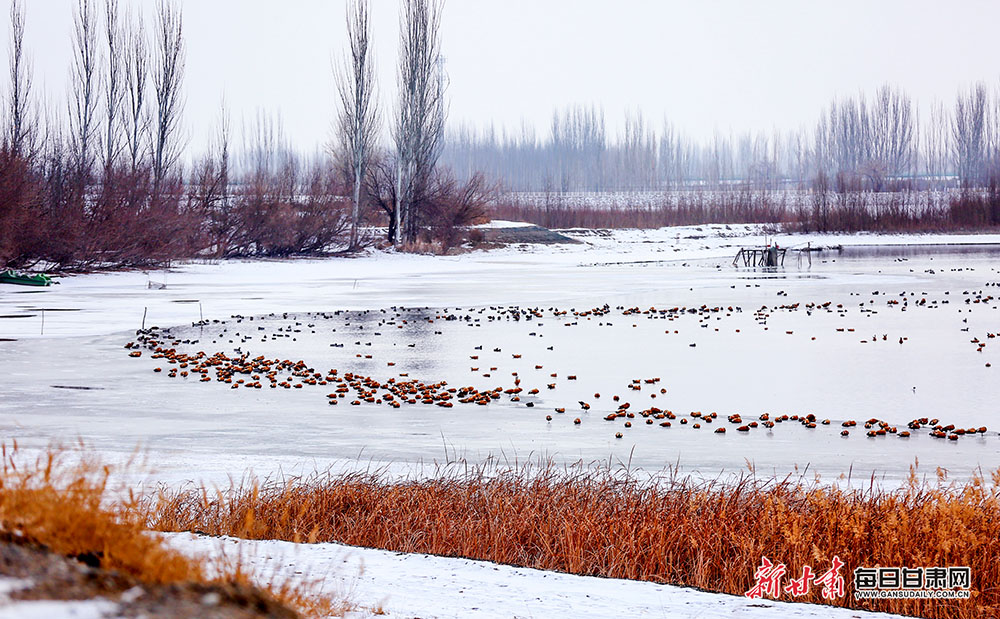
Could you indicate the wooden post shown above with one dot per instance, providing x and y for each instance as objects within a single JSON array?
[{"x": 144, "y": 318}]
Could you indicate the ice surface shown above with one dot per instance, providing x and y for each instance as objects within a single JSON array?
[{"x": 193, "y": 429}]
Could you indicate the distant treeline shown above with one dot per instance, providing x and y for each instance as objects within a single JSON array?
[
  {"x": 868, "y": 163},
  {"x": 866, "y": 143}
]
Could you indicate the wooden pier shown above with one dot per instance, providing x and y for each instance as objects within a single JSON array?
[{"x": 760, "y": 257}]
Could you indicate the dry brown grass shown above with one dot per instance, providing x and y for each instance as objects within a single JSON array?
[
  {"x": 68, "y": 509},
  {"x": 842, "y": 211},
  {"x": 709, "y": 535}
]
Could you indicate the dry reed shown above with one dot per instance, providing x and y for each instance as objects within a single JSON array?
[
  {"x": 68, "y": 509},
  {"x": 709, "y": 535}
]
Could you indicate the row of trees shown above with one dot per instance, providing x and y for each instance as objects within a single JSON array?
[
  {"x": 113, "y": 119},
  {"x": 408, "y": 171},
  {"x": 99, "y": 183},
  {"x": 858, "y": 143}
]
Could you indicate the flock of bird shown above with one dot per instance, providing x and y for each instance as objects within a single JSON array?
[{"x": 359, "y": 386}]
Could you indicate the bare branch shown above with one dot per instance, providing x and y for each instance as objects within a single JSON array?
[
  {"x": 113, "y": 85},
  {"x": 21, "y": 117},
  {"x": 136, "y": 68},
  {"x": 84, "y": 85}
]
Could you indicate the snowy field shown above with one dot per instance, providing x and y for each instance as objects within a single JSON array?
[{"x": 890, "y": 327}]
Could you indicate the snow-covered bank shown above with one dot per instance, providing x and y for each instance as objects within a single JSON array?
[{"x": 414, "y": 585}]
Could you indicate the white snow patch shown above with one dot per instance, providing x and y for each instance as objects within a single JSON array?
[
  {"x": 11, "y": 585},
  {"x": 55, "y": 609},
  {"x": 48, "y": 609},
  {"x": 416, "y": 585},
  {"x": 503, "y": 223}
]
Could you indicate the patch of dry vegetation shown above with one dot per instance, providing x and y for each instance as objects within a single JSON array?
[
  {"x": 846, "y": 210},
  {"x": 709, "y": 535},
  {"x": 68, "y": 510}
]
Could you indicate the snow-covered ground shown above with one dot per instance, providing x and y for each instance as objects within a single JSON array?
[
  {"x": 415, "y": 585},
  {"x": 67, "y": 375},
  {"x": 396, "y": 585},
  {"x": 497, "y": 224},
  {"x": 49, "y": 609}
]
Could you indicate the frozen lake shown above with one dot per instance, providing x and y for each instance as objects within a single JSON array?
[{"x": 820, "y": 338}]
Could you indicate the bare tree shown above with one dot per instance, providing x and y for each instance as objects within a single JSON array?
[
  {"x": 168, "y": 75},
  {"x": 84, "y": 86},
  {"x": 935, "y": 141},
  {"x": 891, "y": 135},
  {"x": 969, "y": 134},
  {"x": 578, "y": 147},
  {"x": 668, "y": 153},
  {"x": 634, "y": 154},
  {"x": 210, "y": 186},
  {"x": 849, "y": 124},
  {"x": 265, "y": 147},
  {"x": 21, "y": 123},
  {"x": 420, "y": 116},
  {"x": 223, "y": 149},
  {"x": 798, "y": 145},
  {"x": 113, "y": 85},
  {"x": 136, "y": 68},
  {"x": 359, "y": 116}
]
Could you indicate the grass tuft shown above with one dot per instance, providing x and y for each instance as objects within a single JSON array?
[{"x": 68, "y": 509}]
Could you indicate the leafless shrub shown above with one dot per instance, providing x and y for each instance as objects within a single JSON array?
[
  {"x": 21, "y": 192},
  {"x": 453, "y": 205}
]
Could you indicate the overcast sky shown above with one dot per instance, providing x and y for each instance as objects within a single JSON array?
[{"x": 707, "y": 65}]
